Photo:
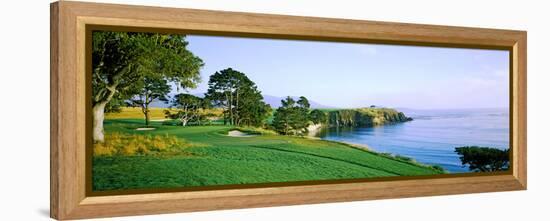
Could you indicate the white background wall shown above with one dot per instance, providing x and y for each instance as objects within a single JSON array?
[{"x": 24, "y": 109}]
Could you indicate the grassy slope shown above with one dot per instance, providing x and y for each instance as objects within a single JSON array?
[
  {"x": 156, "y": 113},
  {"x": 135, "y": 112},
  {"x": 236, "y": 160}
]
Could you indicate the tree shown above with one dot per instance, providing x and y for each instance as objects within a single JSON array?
[
  {"x": 292, "y": 117},
  {"x": 252, "y": 110},
  {"x": 189, "y": 108},
  {"x": 151, "y": 89},
  {"x": 318, "y": 116},
  {"x": 113, "y": 74},
  {"x": 120, "y": 59},
  {"x": 238, "y": 96},
  {"x": 223, "y": 90},
  {"x": 303, "y": 103},
  {"x": 301, "y": 116},
  {"x": 484, "y": 159},
  {"x": 115, "y": 105},
  {"x": 282, "y": 119}
]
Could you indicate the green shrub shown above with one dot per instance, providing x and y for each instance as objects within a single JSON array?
[
  {"x": 404, "y": 158},
  {"x": 439, "y": 168},
  {"x": 484, "y": 159},
  {"x": 386, "y": 154}
]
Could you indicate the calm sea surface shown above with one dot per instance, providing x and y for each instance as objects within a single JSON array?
[{"x": 433, "y": 135}]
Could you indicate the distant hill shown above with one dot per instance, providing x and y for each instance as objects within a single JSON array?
[{"x": 273, "y": 101}]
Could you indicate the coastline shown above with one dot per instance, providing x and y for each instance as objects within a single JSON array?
[
  {"x": 362, "y": 146},
  {"x": 415, "y": 139},
  {"x": 365, "y": 147},
  {"x": 314, "y": 129}
]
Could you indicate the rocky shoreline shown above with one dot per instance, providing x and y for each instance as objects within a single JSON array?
[
  {"x": 359, "y": 117},
  {"x": 365, "y": 117}
]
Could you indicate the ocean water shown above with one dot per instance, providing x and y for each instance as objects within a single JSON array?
[{"x": 432, "y": 136}]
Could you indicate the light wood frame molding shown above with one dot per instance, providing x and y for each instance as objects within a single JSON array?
[{"x": 68, "y": 102}]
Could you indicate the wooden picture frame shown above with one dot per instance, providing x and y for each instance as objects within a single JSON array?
[{"x": 69, "y": 22}]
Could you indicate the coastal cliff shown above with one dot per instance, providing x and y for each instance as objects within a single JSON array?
[
  {"x": 357, "y": 117},
  {"x": 365, "y": 117}
]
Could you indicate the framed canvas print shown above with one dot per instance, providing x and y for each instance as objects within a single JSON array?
[{"x": 159, "y": 110}]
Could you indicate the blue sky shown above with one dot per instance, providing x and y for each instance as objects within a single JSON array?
[{"x": 351, "y": 75}]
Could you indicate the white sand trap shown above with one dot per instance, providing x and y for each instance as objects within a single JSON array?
[
  {"x": 146, "y": 128},
  {"x": 159, "y": 120},
  {"x": 236, "y": 133}
]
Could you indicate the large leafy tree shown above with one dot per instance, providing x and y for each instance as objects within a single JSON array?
[
  {"x": 292, "y": 118},
  {"x": 113, "y": 74},
  {"x": 152, "y": 89},
  {"x": 121, "y": 59},
  {"x": 252, "y": 110},
  {"x": 188, "y": 108},
  {"x": 484, "y": 159},
  {"x": 318, "y": 116},
  {"x": 238, "y": 96}
]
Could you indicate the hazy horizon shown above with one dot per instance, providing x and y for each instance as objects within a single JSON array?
[
  {"x": 351, "y": 75},
  {"x": 196, "y": 93}
]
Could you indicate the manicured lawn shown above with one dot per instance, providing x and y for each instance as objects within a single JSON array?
[{"x": 219, "y": 159}]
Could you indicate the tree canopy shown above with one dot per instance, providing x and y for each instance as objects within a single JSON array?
[
  {"x": 318, "y": 116},
  {"x": 189, "y": 108},
  {"x": 484, "y": 159},
  {"x": 120, "y": 60},
  {"x": 239, "y": 97},
  {"x": 292, "y": 118},
  {"x": 152, "y": 88}
]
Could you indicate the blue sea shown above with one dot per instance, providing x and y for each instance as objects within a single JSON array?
[{"x": 432, "y": 136}]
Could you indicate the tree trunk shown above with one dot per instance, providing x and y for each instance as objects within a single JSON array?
[
  {"x": 227, "y": 113},
  {"x": 147, "y": 117},
  {"x": 237, "y": 117},
  {"x": 184, "y": 116},
  {"x": 231, "y": 122},
  {"x": 98, "y": 115},
  {"x": 98, "y": 110},
  {"x": 145, "y": 107}
]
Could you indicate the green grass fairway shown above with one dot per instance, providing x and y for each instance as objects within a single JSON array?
[{"x": 222, "y": 160}]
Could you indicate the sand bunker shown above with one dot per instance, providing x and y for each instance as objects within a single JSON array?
[
  {"x": 159, "y": 120},
  {"x": 146, "y": 128},
  {"x": 236, "y": 133}
]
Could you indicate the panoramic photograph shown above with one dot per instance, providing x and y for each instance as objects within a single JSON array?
[{"x": 173, "y": 111}]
